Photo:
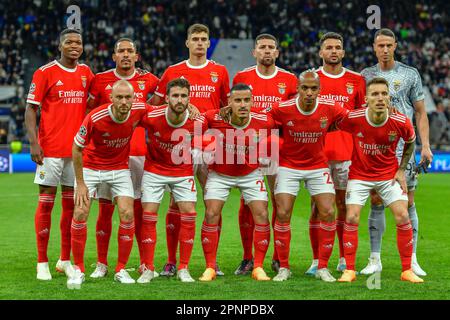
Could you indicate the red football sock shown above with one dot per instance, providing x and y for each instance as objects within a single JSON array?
[
  {"x": 340, "y": 233},
  {"x": 261, "y": 243},
  {"x": 148, "y": 238},
  {"x": 138, "y": 211},
  {"x": 327, "y": 231},
  {"x": 350, "y": 238},
  {"x": 187, "y": 235},
  {"x": 42, "y": 224},
  {"x": 125, "y": 239},
  {"x": 274, "y": 216},
  {"x": 246, "y": 226},
  {"x": 219, "y": 230},
  {"x": 103, "y": 229},
  {"x": 78, "y": 236},
  {"x": 405, "y": 244},
  {"x": 209, "y": 243},
  {"x": 66, "y": 223},
  {"x": 282, "y": 236},
  {"x": 314, "y": 226},
  {"x": 172, "y": 233}
]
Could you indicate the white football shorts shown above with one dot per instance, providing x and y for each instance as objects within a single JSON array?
[
  {"x": 317, "y": 181},
  {"x": 358, "y": 191},
  {"x": 55, "y": 171},
  {"x": 154, "y": 185}
]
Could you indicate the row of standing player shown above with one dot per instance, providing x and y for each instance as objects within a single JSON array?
[{"x": 268, "y": 82}]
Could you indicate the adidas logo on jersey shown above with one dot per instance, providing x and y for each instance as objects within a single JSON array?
[
  {"x": 106, "y": 134},
  {"x": 290, "y": 124},
  {"x": 157, "y": 134},
  {"x": 59, "y": 83},
  {"x": 360, "y": 135},
  {"x": 108, "y": 87}
]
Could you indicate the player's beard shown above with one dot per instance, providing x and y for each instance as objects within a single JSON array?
[
  {"x": 333, "y": 62},
  {"x": 267, "y": 62},
  {"x": 175, "y": 108}
]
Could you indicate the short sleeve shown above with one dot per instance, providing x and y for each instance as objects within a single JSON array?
[
  {"x": 83, "y": 135},
  {"x": 38, "y": 88},
  {"x": 225, "y": 88},
  {"x": 160, "y": 89},
  {"x": 407, "y": 132},
  {"x": 416, "y": 92}
]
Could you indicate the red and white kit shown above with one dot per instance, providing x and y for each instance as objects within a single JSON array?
[
  {"x": 302, "y": 156},
  {"x": 106, "y": 143},
  {"x": 347, "y": 89},
  {"x": 209, "y": 83},
  {"x": 268, "y": 90},
  {"x": 61, "y": 93},
  {"x": 374, "y": 163},
  {"x": 236, "y": 159},
  {"x": 168, "y": 160}
]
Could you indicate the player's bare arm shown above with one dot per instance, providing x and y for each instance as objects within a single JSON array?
[
  {"x": 81, "y": 192},
  {"x": 400, "y": 175},
  {"x": 424, "y": 130},
  {"x": 37, "y": 154}
]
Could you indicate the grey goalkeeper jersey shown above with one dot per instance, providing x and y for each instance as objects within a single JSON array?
[{"x": 405, "y": 88}]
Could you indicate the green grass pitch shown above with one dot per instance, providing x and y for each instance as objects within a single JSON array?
[{"x": 18, "y": 200}]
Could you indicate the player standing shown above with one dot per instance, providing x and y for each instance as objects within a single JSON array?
[
  {"x": 144, "y": 83},
  {"x": 405, "y": 88},
  {"x": 304, "y": 122},
  {"x": 100, "y": 156},
  {"x": 209, "y": 90},
  {"x": 59, "y": 90},
  {"x": 169, "y": 163},
  {"x": 347, "y": 89},
  {"x": 375, "y": 166},
  {"x": 269, "y": 84},
  {"x": 236, "y": 165}
]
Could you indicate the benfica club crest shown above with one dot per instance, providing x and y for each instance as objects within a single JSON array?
[
  {"x": 282, "y": 88},
  {"x": 397, "y": 84},
  {"x": 214, "y": 76},
  {"x": 141, "y": 85},
  {"x": 323, "y": 122},
  {"x": 84, "y": 81},
  {"x": 349, "y": 87},
  {"x": 392, "y": 136}
]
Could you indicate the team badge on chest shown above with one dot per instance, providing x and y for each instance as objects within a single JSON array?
[
  {"x": 282, "y": 88},
  {"x": 323, "y": 122},
  {"x": 84, "y": 81},
  {"x": 141, "y": 84},
  {"x": 214, "y": 76},
  {"x": 396, "y": 84},
  {"x": 392, "y": 136},
  {"x": 349, "y": 87}
]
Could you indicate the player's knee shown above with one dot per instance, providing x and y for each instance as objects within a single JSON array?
[
  {"x": 402, "y": 217},
  {"x": 283, "y": 214},
  {"x": 327, "y": 214},
  {"x": 211, "y": 216},
  {"x": 80, "y": 214},
  {"x": 126, "y": 214}
]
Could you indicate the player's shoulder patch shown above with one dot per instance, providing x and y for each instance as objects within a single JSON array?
[
  {"x": 157, "y": 112},
  {"x": 138, "y": 105},
  {"x": 100, "y": 112},
  {"x": 398, "y": 117}
]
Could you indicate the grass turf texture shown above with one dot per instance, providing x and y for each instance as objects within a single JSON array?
[{"x": 18, "y": 200}]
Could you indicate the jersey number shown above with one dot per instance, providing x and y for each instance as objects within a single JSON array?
[
  {"x": 327, "y": 174},
  {"x": 263, "y": 186},
  {"x": 192, "y": 181}
]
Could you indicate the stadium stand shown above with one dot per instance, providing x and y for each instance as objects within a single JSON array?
[{"x": 28, "y": 38}]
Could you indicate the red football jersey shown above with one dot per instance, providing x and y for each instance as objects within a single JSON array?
[
  {"x": 210, "y": 84},
  {"x": 169, "y": 147},
  {"x": 373, "y": 156},
  {"x": 61, "y": 93},
  {"x": 267, "y": 90},
  {"x": 144, "y": 84},
  {"x": 237, "y": 148},
  {"x": 347, "y": 89},
  {"x": 106, "y": 141},
  {"x": 304, "y": 133}
]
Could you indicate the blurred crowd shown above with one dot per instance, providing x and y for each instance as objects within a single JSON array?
[{"x": 159, "y": 27}]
